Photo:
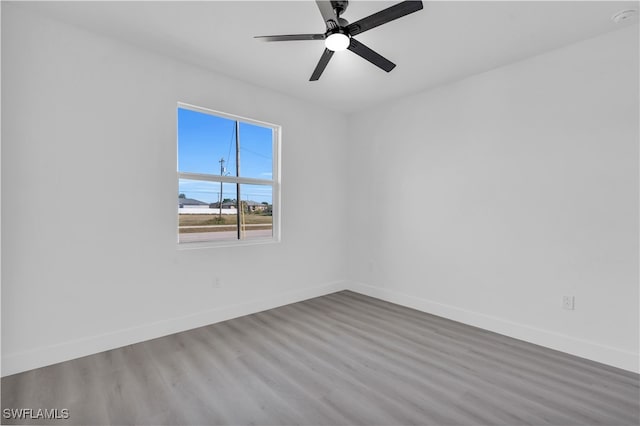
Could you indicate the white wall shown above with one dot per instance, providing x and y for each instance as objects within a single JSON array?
[
  {"x": 489, "y": 199},
  {"x": 89, "y": 118}
]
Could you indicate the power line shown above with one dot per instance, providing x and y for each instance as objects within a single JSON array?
[
  {"x": 233, "y": 130},
  {"x": 256, "y": 153}
]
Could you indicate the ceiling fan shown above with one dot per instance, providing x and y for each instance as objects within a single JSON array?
[{"x": 339, "y": 34}]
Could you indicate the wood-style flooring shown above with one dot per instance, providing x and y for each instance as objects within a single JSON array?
[{"x": 339, "y": 359}]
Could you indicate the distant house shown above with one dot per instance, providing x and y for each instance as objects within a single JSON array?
[
  {"x": 225, "y": 205},
  {"x": 190, "y": 202},
  {"x": 253, "y": 207},
  {"x": 250, "y": 206}
]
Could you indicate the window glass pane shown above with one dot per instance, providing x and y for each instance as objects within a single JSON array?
[
  {"x": 200, "y": 217},
  {"x": 256, "y": 215},
  {"x": 203, "y": 141},
  {"x": 256, "y": 151},
  {"x": 215, "y": 146}
]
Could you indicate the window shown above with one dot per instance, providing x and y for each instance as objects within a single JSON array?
[{"x": 228, "y": 178}]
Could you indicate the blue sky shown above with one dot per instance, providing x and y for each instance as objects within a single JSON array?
[{"x": 204, "y": 139}]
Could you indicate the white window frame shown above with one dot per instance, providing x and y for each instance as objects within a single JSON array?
[{"x": 274, "y": 182}]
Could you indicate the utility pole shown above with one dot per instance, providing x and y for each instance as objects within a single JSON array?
[
  {"x": 238, "y": 214},
  {"x": 221, "y": 161}
]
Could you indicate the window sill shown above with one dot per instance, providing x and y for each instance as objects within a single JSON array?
[{"x": 233, "y": 243}]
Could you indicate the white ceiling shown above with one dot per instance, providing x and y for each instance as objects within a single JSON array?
[{"x": 446, "y": 41}]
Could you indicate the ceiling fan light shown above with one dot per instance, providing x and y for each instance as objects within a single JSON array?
[{"x": 337, "y": 42}]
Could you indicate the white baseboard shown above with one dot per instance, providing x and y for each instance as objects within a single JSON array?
[
  {"x": 582, "y": 348},
  {"x": 22, "y": 361},
  {"x": 40, "y": 357}
]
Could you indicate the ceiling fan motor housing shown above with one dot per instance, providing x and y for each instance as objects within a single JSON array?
[{"x": 339, "y": 6}]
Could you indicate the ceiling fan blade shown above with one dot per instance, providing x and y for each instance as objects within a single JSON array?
[
  {"x": 291, "y": 37},
  {"x": 328, "y": 14},
  {"x": 389, "y": 14},
  {"x": 322, "y": 64},
  {"x": 376, "y": 59}
]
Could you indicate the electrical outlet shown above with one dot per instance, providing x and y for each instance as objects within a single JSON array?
[
  {"x": 217, "y": 283},
  {"x": 568, "y": 302}
]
